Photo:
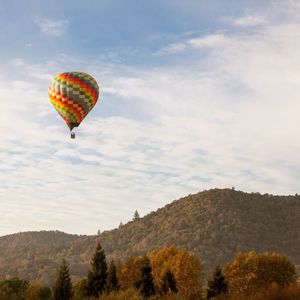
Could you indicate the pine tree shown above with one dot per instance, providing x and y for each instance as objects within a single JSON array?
[
  {"x": 169, "y": 283},
  {"x": 63, "y": 289},
  {"x": 97, "y": 276},
  {"x": 112, "y": 279},
  {"x": 136, "y": 216},
  {"x": 217, "y": 285},
  {"x": 145, "y": 284}
]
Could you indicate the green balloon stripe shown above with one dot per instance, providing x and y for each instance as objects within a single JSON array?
[
  {"x": 65, "y": 112},
  {"x": 64, "y": 90},
  {"x": 83, "y": 77}
]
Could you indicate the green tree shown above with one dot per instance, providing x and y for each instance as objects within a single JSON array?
[
  {"x": 44, "y": 293},
  {"x": 63, "y": 289},
  {"x": 168, "y": 283},
  {"x": 112, "y": 279},
  {"x": 80, "y": 289},
  {"x": 97, "y": 276},
  {"x": 217, "y": 285},
  {"x": 36, "y": 291},
  {"x": 13, "y": 289},
  {"x": 136, "y": 216},
  {"x": 145, "y": 283}
]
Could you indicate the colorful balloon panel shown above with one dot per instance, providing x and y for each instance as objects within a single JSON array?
[{"x": 73, "y": 95}]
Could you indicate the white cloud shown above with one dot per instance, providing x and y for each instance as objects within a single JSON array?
[
  {"x": 249, "y": 21},
  {"x": 209, "y": 41},
  {"x": 229, "y": 118},
  {"x": 52, "y": 27},
  {"x": 173, "y": 48}
]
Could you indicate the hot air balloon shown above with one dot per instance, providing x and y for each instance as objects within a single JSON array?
[{"x": 73, "y": 95}]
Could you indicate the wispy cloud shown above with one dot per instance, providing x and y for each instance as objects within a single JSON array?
[
  {"x": 52, "y": 27},
  {"x": 249, "y": 21},
  {"x": 32, "y": 70},
  {"x": 208, "y": 41},
  {"x": 227, "y": 115}
]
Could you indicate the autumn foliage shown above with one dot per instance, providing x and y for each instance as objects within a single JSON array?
[
  {"x": 186, "y": 268},
  {"x": 250, "y": 272},
  {"x": 129, "y": 272}
]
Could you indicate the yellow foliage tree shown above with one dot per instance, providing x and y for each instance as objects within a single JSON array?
[
  {"x": 250, "y": 272},
  {"x": 129, "y": 272},
  {"x": 186, "y": 268}
]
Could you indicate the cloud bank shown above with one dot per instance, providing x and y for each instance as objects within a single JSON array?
[{"x": 224, "y": 114}]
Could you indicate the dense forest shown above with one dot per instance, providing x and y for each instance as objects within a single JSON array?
[
  {"x": 213, "y": 225},
  {"x": 168, "y": 273}
]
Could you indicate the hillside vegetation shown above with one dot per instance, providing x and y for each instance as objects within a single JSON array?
[{"x": 214, "y": 225}]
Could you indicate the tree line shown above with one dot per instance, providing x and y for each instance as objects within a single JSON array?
[{"x": 167, "y": 273}]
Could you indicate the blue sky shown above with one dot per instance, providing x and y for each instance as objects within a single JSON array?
[{"x": 194, "y": 95}]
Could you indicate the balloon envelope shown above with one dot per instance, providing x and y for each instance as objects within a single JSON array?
[{"x": 73, "y": 95}]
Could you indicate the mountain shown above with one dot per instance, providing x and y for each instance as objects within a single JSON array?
[{"x": 214, "y": 225}]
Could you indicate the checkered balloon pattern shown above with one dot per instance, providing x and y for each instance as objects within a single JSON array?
[{"x": 73, "y": 95}]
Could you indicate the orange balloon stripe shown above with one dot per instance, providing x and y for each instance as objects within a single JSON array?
[
  {"x": 89, "y": 93},
  {"x": 76, "y": 107},
  {"x": 68, "y": 107},
  {"x": 65, "y": 113},
  {"x": 62, "y": 106},
  {"x": 88, "y": 89}
]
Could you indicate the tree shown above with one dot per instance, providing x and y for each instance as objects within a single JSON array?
[
  {"x": 129, "y": 272},
  {"x": 136, "y": 216},
  {"x": 80, "y": 289},
  {"x": 97, "y": 276},
  {"x": 13, "y": 288},
  {"x": 276, "y": 292},
  {"x": 168, "y": 283},
  {"x": 112, "y": 279},
  {"x": 63, "y": 289},
  {"x": 186, "y": 268},
  {"x": 145, "y": 283},
  {"x": 249, "y": 272},
  {"x": 217, "y": 285},
  {"x": 37, "y": 292}
]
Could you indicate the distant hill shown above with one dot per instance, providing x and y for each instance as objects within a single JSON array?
[{"x": 212, "y": 224}]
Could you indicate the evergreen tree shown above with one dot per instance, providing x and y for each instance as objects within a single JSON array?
[
  {"x": 169, "y": 283},
  {"x": 63, "y": 289},
  {"x": 217, "y": 285},
  {"x": 97, "y": 276},
  {"x": 145, "y": 284},
  {"x": 136, "y": 216},
  {"x": 112, "y": 279}
]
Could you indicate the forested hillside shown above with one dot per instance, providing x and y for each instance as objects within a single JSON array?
[{"x": 212, "y": 224}]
